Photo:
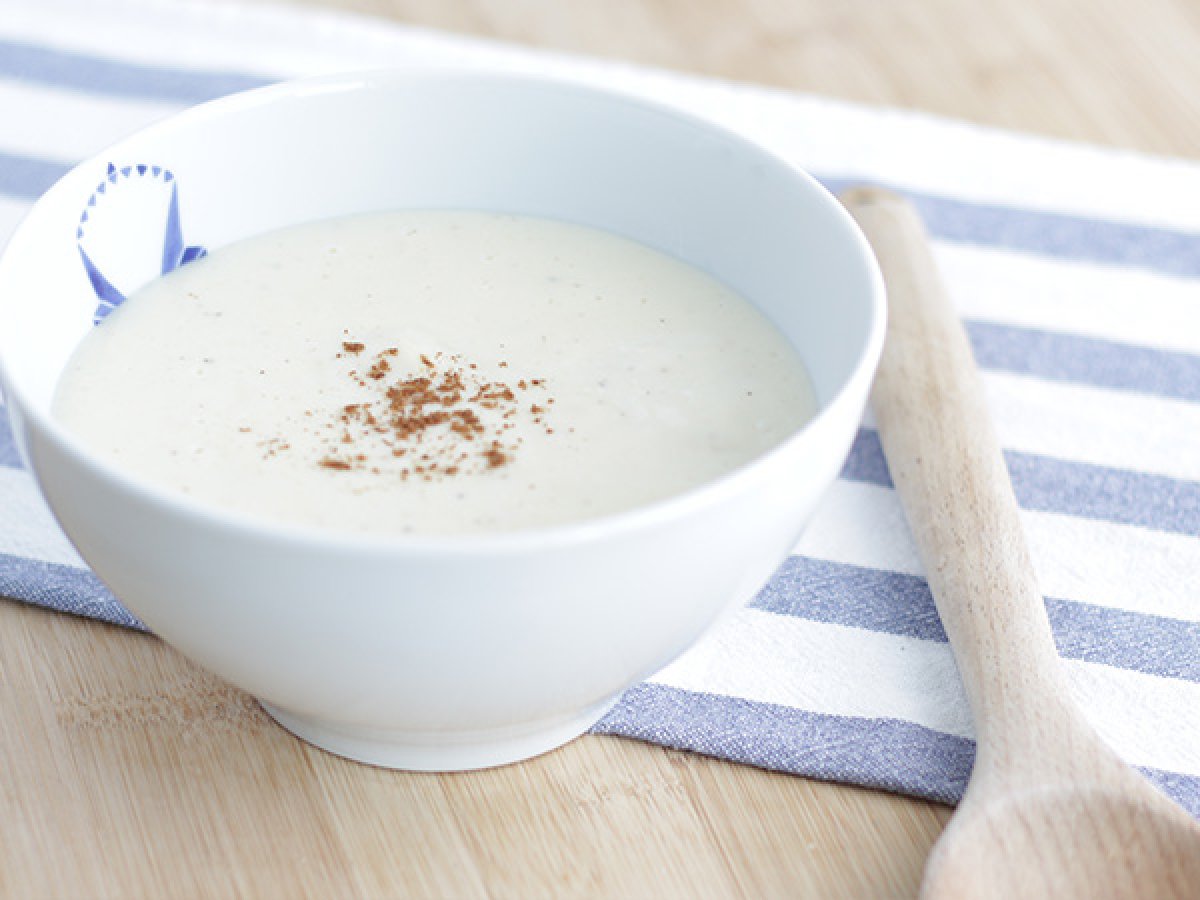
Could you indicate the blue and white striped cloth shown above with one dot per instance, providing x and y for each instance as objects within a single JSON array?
[{"x": 1076, "y": 269}]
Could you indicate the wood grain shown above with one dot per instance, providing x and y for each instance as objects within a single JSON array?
[
  {"x": 129, "y": 773},
  {"x": 1109, "y": 71}
]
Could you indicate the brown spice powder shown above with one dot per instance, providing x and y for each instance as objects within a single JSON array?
[{"x": 445, "y": 420}]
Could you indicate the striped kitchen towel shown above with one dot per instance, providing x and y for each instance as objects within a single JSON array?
[{"x": 1076, "y": 269}]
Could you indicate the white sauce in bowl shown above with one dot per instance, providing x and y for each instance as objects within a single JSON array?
[{"x": 433, "y": 372}]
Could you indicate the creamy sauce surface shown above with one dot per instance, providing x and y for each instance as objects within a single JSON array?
[{"x": 433, "y": 372}]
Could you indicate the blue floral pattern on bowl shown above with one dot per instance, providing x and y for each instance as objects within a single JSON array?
[{"x": 130, "y": 232}]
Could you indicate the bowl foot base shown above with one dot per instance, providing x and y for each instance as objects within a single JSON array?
[{"x": 444, "y": 752}]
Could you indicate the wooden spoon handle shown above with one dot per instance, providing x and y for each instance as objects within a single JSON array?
[{"x": 947, "y": 466}]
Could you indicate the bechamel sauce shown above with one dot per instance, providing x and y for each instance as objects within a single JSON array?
[{"x": 632, "y": 376}]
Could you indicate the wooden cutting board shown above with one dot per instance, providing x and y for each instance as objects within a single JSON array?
[{"x": 128, "y": 772}]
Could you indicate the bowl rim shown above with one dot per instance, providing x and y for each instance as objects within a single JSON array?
[{"x": 264, "y": 528}]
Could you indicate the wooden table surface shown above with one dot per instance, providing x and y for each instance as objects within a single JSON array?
[{"x": 130, "y": 773}]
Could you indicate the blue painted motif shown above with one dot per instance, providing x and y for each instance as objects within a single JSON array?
[{"x": 175, "y": 252}]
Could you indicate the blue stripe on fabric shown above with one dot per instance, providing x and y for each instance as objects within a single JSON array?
[
  {"x": 1041, "y": 483},
  {"x": 95, "y": 75},
  {"x": 866, "y": 461},
  {"x": 25, "y": 178},
  {"x": 1112, "y": 495},
  {"x": 1170, "y": 251},
  {"x": 1046, "y": 484},
  {"x": 1049, "y": 234},
  {"x": 888, "y": 754},
  {"x": 63, "y": 588},
  {"x": 1083, "y": 360},
  {"x": 1160, "y": 250},
  {"x": 1051, "y": 355},
  {"x": 900, "y": 604}
]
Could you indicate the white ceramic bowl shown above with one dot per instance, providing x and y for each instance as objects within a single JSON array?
[{"x": 438, "y": 653}]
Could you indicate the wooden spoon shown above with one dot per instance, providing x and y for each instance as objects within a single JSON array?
[{"x": 1050, "y": 811}]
